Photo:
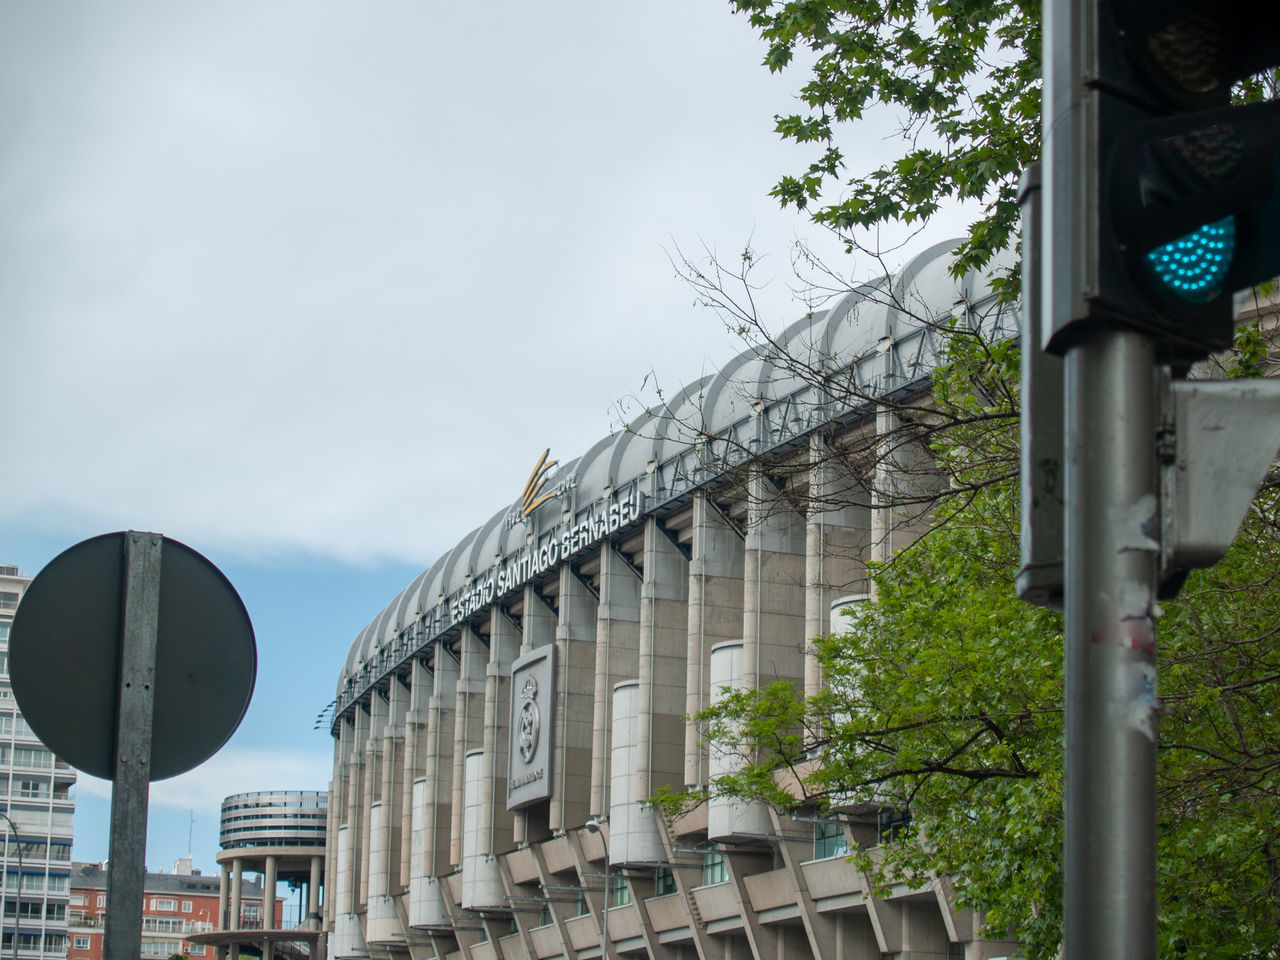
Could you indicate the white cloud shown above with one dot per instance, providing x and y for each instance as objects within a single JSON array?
[{"x": 231, "y": 770}]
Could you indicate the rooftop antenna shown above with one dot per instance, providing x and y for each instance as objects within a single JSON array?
[{"x": 191, "y": 825}]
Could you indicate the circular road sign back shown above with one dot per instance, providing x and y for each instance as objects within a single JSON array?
[{"x": 64, "y": 657}]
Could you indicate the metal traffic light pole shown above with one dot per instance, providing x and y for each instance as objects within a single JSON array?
[
  {"x": 1160, "y": 199},
  {"x": 1112, "y": 554}
]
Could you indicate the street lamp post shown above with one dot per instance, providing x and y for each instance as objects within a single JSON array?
[
  {"x": 17, "y": 893},
  {"x": 595, "y": 826}
]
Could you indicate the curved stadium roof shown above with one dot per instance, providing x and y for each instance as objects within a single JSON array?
[{"x": 874, "y": 333}]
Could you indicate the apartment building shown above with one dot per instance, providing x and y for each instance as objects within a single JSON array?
[
  {"x": 36, "y": 803},
  {"x": 174, "y": 906}
]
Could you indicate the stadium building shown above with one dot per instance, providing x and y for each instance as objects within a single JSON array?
[{"x": 500, "y": 725}]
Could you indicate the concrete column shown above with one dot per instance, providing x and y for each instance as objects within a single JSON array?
[
  {"x": 313, "y": 894},
  {"x": 617, "y": 658},
  {"x": 496, "y": 821},
  {"x": 664, "y": 637},
  {"x": 415, "y": 730},
  {"x": 356, "y": 776},
  {"x": 269, "y": 895},
  {"x": 224, "y": 894},
  {"x": 905, "y": 483},
  {"x": 393, "y": 805},
  {"x": 224, "y": 897},
  {"x": 431, "y": 854},
  {"x": 715, "y": 615},
  {"x": 468, "y": 729},
  {"x": 373, "y": 760},
  {"x": 773, "y": 588},
  {"x": 837, "y": 543},
  {"x": 537, "y": 629},
  {"x": 338, "y": 789},
  {"x": 237, "y": 890},
  {"x": 575, "y": 636}
]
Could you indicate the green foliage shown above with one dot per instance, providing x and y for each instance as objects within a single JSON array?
[
  {"x": 946, "y": 698},
  {"x": 963, "y": 77}
]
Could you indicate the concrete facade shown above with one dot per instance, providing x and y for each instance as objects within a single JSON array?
[
  {"x": 665, "y": 565},
  {"x": 36, "y": 791}
]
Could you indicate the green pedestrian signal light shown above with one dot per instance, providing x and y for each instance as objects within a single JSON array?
[
  {"x": 1163, "y": 187},
  {"x": 1195, "y": 266}
]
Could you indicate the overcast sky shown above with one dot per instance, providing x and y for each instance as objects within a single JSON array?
[{"x": 310, "y": 285}]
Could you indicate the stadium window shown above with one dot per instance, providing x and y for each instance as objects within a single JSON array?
[{"x": 829, "y": 840}]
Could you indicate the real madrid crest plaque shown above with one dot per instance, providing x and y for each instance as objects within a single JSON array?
[{"x": 532, "y": 727}]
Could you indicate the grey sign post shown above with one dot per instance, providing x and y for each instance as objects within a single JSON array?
[{"x": 166, "y": 662}]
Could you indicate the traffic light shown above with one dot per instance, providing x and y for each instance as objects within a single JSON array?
[{"x": 1177, "y": 202}]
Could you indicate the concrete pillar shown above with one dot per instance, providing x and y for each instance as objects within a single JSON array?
[
  {"x": 773, "y": 605},
  {"x": 338, "y": 789},
  {"x": 575, "y": 637},
  {"x": 904, "y": 486},
  {"x": 537, "y": 629},
  {"x": 269, "y": 895},
  {"x": 224, "y": 898},
  {"x": 617, "y": 658},
  {"x": 664, "y": 637},
  {"x": 837, "y": 542},
  {"x": 415, "y": 728},
  {"x": 437, "y": 698},
  {"x": 392, "y": 795},
  {"x": 496, "y": 821},
  {"x": 468, "y": 729},
  {"x": 371, "y": 792},
  {"x": 715, "y": 615},
  {"x": 224, "y": 894},
  {"x": 237, "y": 890},
  {"x": 313, "y": 894},
  {"x": 356, "y": 776}
]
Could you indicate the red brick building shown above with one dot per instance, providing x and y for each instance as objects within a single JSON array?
[{"x": 173, "y": 906}]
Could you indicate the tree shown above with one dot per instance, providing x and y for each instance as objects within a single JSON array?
[
  {"x": 945, "y": 697},
  {"x": 945, "y": 700},
  {"x": 961, "y": 76}
]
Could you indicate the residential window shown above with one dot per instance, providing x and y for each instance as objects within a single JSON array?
[
  {"x": 619, "y": 892},
  {"x": 664, "y": 882},
  {"x": 581, "y": 906},
  {"x": 33, "y": 788},
  {"x": 102, "y": 900},
  {"x": 162, "y": 925},
  {"x": 4, "y": 629},
  {"x": 58, "y": 883},
  {"x": 195, "y": 949},
  {"x": 80, "y": 943},
  {"x": 161, "y": 948},
  {"x": 544, "y": 914},
  {"x": 163, "y": 903},
  {"x": 713, "y": 868},
  {"x": 8, "y": 600},
  {"x": 37, "y": 757},
  {"x": 891, "y": 822},
  {"x": 186, "y": 906},
  {"x": 829, "y": 840}
]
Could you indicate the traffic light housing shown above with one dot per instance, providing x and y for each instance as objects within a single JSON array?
[{"x": 1176, "y": 202}]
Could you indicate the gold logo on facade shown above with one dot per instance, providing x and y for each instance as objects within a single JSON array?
[{"x": 533, "y": 495}]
